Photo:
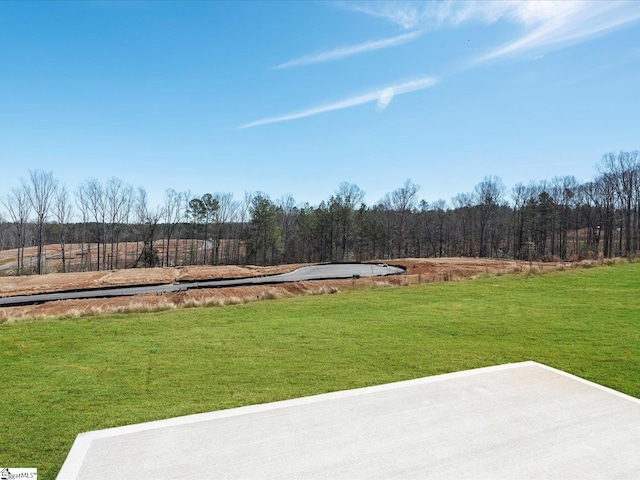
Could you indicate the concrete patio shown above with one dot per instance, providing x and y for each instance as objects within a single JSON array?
[{"x": 523, "y": 420}]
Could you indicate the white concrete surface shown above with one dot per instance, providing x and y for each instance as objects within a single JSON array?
[{"x": 515, "y": 421}]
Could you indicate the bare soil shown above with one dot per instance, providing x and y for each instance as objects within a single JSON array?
[{"x": 417, "y": 271}]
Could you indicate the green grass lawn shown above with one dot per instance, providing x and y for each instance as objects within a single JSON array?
[{"x": 63, "y": 377}]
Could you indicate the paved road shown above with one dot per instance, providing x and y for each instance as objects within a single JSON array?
[{"x": 316, "y": 272}]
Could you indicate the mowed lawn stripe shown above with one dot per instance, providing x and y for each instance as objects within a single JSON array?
[{"x": 63, "y": 377}]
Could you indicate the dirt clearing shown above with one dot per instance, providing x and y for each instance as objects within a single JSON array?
[{"x": 417, "y": 271}]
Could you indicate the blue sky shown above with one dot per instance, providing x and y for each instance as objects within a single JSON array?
[{"x": 296, "y": 97}]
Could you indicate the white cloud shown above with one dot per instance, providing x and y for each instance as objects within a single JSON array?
[
  {"x": 348, "y": 51},
  {"x": 385, "y": 97},
  {"x": 535, "y": 12},
  {"x": 404, "y": 14},
  {"x": 430, "y": 15},
  {"x": 578, "y": 23},
  {"x": 546, "y": 24},
  {"x": 434, "y": 15},
  {"x": 380, "y": 95}
]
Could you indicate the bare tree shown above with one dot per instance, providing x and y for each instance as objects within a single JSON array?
[
  {"x": 286, "y": 207},
  {"x": 244, "y": 209},
  {"x": 91, "y": 197},
  {"x": 591, "y": 208},
  {"x": 384, "y": 215},
  {"x": 173, "y": 214},
  {"x": 489, "y": 195},
  {"x": 3, "y": 237},
  {"x": 221, "y": 216},
  {"x": 186, "y": 248},
  {"x": 83, "y": 205},
  {"x": 518, "y": 197},
  {"x": 63, "y": 212},
  {"x": 623, "y": 172},
  {"x": 41, "y": 189},
  {"x": 234, "y": 232},
  {"x": 19, "y": 207},
  {"x": 564, "y": 192},
  {"x": 347, "y": 198},
  {"x": 606, "y": 192},
  {"x": 403, "y": 202},
  {"x": 118, "y": 198},
  {"x": 463, "y": 208},
  {"x": 147, "y": 220},
  {"x": 440, "y": 208}
]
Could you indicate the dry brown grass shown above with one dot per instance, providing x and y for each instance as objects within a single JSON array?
[{"x": 419, "y": 271}]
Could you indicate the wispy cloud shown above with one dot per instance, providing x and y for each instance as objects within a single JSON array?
[
  {"x": 579, "y": 23},
  {"x": 434, "y": 15},
  {"x": 382, "y": 96},
  {"x": 405, "y": 14},
  {"x": 546, "y": 24},
  {"x": 348, "y": 51}
]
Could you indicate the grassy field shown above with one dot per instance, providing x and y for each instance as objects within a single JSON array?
[{"x": 63, "y": 377}]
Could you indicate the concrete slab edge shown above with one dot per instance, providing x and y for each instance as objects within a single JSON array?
[
  {"x": 587, "y": 382},
  {"x": 73, "y": 463}
]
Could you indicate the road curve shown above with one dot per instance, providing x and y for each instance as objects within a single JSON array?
[{"x": 315, "y": 272}]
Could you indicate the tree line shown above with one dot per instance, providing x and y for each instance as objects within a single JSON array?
[{"x": 111, "y": 225}]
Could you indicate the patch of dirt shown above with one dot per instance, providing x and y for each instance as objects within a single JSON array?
[
  {"x": 423, "y": 270},
  {"x": 57, "y": 282}
]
